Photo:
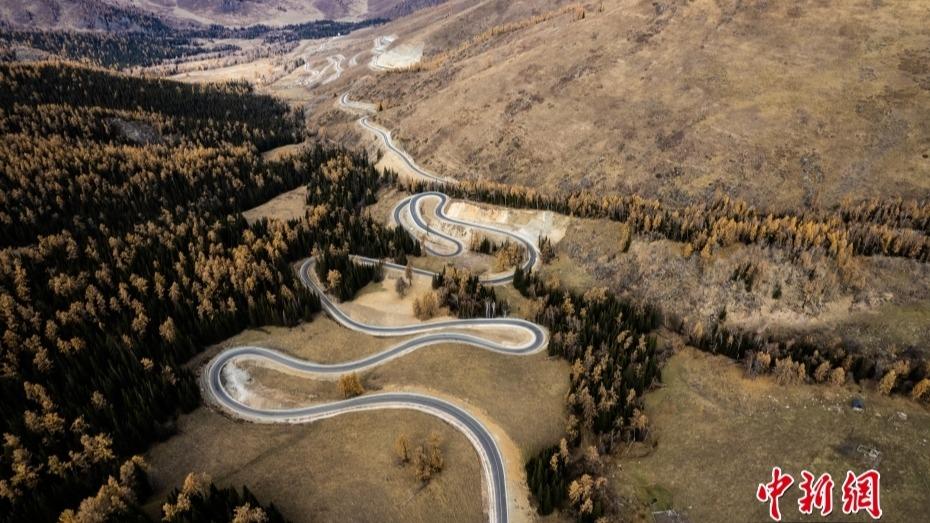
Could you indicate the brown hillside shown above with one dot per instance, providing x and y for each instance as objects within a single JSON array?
[{"x": 785, "y": 104}]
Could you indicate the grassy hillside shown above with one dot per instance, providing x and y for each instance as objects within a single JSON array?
[{"x": 785, "y": 105}]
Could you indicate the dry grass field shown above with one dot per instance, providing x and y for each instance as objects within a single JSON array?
[
  {"x": 719, "y": 434},
  {"x": 339, "y": 469},
  {"x": 785, "y": 104},
  {"x": 378, "y": 303},
  {"x": 882, "y": 307},
  {"x": 316, "y": 472},
  {"x": 285, "y": 206}
]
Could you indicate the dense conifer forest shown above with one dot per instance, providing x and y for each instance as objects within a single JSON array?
[
  {"x": 118, "y": 50},
  {"x": 288, "y": 33},
  {"x": 610, "y": 344},
  {"x": 123, "y": 253},
  {"x": 148, "y": 41}
]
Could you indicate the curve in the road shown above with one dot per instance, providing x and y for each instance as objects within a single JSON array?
[
  {"x": 427, "y": 334},
  {"x": 412, "y": 206},
  {"x": 492, "y": 462},
  {"x": 386, "y": 138}
]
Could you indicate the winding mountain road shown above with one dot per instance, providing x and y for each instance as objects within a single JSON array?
[
  {"x": 430, "y": 333},
  {"x": 411, "y": 205},
  {"x": 379, "y": 47},
  {"x": 386, "y": 139},
  {"x": 425, "y": 334}
]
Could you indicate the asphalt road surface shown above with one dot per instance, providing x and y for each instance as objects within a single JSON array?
[
  {"x": 425, "y": 334},
  {"x": 411, "y": 204}
]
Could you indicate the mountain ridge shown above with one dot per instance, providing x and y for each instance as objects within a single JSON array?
[{"x": 129, "y": 15}]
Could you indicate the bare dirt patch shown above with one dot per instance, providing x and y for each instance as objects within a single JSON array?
[
  {"x": 530, "y": 224},
  {"x": 397, "y": 56}
]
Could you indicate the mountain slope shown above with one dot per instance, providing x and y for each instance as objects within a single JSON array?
[
  {"x": 785, "y": 105},
  {"x": 93, "y": 15},
  {"x": 119, "y": 15}
]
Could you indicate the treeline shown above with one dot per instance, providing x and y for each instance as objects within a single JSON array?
[
  {"x": 724, "y": 221},
  {"x": 613, "y": 355},
  {"x": 198, "y": 500},
  {"x": 896, "y": 213},
  {"x": 614, "y": 362},
  {"x": 547, "y": 479},
  {"x": 233, "y": 112},
  {"x": 145, "y": 41},
  {"x": 113, "y": 50},
  {"x": 99, "y": 309},
  {"x": 312, "y": 30},
  {"x": 804, "y": 360}
]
